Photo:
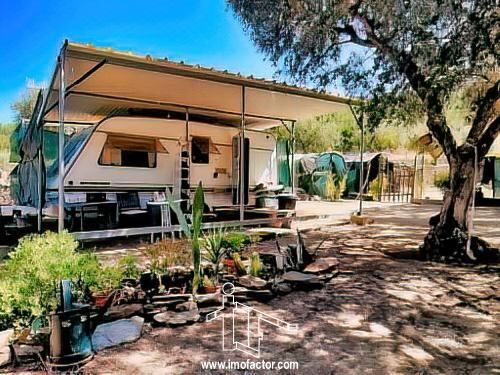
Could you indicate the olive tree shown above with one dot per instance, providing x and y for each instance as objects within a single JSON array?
[{"x": 403, "y": 57}]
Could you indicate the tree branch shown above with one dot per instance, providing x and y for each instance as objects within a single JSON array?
[
  {"x": 484, "y": 113},
  {"x": 488, "y": 137},
  {"x": 353, "y": 36},
  {"x": 436, "y": 120}
]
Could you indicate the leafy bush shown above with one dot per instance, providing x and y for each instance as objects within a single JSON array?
[
  {"x": 442, "y": 180},
  {"x": 128, "y": 265},
  {"x": 236, "y": 241},
  {"x": 29, "y": 276}
]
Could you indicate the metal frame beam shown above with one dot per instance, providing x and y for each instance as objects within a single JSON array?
[
  {"x": 167, "y": 104},
  {"x": 241, "y": 181}
]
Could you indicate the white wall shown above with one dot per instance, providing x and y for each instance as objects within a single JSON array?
[{"x": 85, "y": 171}]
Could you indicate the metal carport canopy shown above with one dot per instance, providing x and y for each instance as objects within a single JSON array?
[{"x": 100, "y": 81}]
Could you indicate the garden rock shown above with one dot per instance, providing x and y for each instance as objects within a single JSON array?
[
  {"x": 284, "y": 288},
  {"x": 173, "y": 318},
  {"x": 124, "y": 311},
  {"x": 299, "y": 277},
  {"x": 205, "y": 300},
  {"x": 207, "y": 310},
  {"x": 252, "y": 282},
  {"x": 5, "y": 337},
  {"x": 322, "y": 265},
  {"x": 116, "y": 333},
  {"x": 186, "y": 306}
]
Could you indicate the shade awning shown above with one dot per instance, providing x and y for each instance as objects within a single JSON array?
[{"x": 101, "y": 82}]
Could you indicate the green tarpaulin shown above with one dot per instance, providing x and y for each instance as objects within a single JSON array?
[{"x": 320, "y": 174}]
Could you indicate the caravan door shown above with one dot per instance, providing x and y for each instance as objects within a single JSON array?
[{"x": 236, "y": 180}]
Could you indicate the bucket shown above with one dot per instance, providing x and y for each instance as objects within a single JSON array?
[
  {"x": 287, "y": 201},
  {"x": 266, "y": 201}
]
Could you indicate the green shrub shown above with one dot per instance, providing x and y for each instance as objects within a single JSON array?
[
  {"x": 30, "y": 274},
  {"x": 128, "y": 266},
  {"x": 236, "y": 241},
  {"x": 442, "y": 180}
]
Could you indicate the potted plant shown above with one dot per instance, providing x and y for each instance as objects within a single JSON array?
[
  {"x": 209, "y": 286},
  {"x": 150, "y": 279},
  {"x": 130, "y": 271},
  {"x": 100, "y": 295},
  {"x": 229, "y": 263}
]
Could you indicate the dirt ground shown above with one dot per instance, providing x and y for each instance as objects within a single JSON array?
[{"x": 380, "y": 315}]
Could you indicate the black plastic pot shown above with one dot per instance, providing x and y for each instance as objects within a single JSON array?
[
  {"x": 166, "y": 280},
  {"x": 149, "y": 281}
]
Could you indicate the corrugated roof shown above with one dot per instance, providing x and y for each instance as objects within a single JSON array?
[{"x": 76, "y": 49}]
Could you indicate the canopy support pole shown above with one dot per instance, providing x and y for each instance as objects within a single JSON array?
[
  {"x": 361, "y": 168},
  {"x": 61, "y": 171},
  {"x": 242, "y": 156},
  {"x": 40, "y": 185},
  {"x": 292, "y": 168}
]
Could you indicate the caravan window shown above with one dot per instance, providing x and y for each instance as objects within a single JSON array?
[
  {"x": 130, "y": 152},
  {"x": 200, "y": 150}
]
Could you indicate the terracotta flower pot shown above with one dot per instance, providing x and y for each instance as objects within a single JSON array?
[
  {"x": 99, "y": 299},
  {"x": 210, "y": 289},
  {"x": 229, "y": 263}
]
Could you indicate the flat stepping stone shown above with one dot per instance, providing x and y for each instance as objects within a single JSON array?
[
  {"x": 117, "y": 333},
  {"x": 322, "y": 265},
  {"x": 173, "y": 318},
  {"x": 168, "y": 303},
  {"x": 168, "y": 297},
  {"x": 299, "y": 277},
  {"x": 252, "y": 282},
  {"x": 186, "y": 306},
  {"x": 205, "y": 300}
]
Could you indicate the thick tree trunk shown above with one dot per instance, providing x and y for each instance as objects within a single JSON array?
[{"x": 449, "y": 233}]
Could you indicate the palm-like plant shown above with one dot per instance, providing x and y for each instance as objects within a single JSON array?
[
  {"x": 192, "y": 231},
  {"x": 213, "y": 242}
]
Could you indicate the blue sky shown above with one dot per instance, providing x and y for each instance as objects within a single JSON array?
[{"x": 202, "y": 32}]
